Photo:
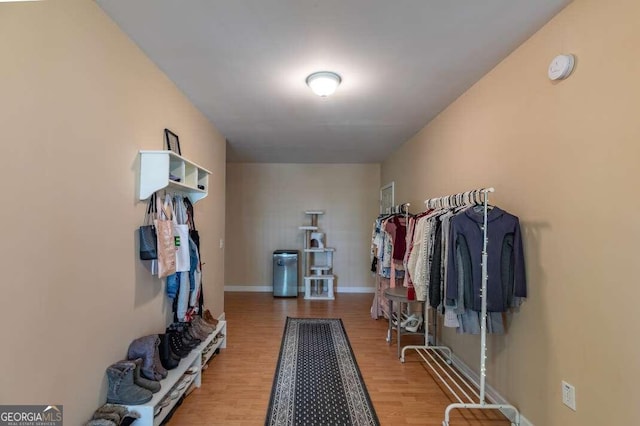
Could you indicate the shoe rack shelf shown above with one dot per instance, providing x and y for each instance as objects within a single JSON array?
[
  {"x": 168, "y": 170},
  {"x": 177, "y": 382},
  {"x": 215, "y": 343}
]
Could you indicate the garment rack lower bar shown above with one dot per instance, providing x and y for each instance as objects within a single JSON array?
[{"x": 443, "y": 369}]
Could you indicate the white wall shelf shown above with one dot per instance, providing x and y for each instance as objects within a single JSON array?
[{"x": 166, "y": 169}]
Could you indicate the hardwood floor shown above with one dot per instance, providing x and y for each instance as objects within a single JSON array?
[{"x": 237, "y": 385}]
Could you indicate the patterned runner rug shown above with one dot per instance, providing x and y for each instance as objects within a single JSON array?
[{"x": 317, "y": 379}]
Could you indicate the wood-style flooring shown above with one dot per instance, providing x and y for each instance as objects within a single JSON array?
[{"x": 237, "y": 385}]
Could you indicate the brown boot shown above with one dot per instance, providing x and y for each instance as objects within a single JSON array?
[
  {"x": 209, "y": 318},
  {"x": 201, "y": 324}
]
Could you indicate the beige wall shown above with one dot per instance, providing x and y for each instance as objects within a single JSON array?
[
  {"x": 79, "y": 100},
  {"x": 266, "y": 204},
  {"x": 564, "y": 158}
]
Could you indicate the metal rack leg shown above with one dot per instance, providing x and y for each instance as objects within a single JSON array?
[
  {"x": 483, "y": 406},
  {"x": 398, "y": 326},
  {"x": 390, "y": 323}
]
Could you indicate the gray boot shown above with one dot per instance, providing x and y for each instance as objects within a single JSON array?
[
  {"x": 100, "y": 422},
  {"x": 196, "y": 332},
  {"x": 203, "y": 325},
  {"x": 118, "y": 411},
  {"x": 111, "y": 416},
  {"x": 151, "y": 385},
  {"x": 112, "y": 412},
  {"x": 122, "y": 389},
  {"x": 147, "y": 348}
]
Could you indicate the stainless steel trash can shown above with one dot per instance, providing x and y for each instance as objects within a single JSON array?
[{"x": 285, "y": 273}]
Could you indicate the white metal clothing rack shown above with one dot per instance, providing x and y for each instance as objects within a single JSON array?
[
  {"x": 400, "y": 208},
  {"x": 464, "y": 392}
]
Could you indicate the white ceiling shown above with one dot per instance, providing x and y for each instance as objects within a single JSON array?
[{"x": 243, "y": 63}]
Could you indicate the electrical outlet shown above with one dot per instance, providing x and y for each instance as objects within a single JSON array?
[
  {"x": 569, "y": 395},
  {"x": 221, "y": 243}
]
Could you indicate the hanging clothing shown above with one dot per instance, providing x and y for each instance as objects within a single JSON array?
[
  {"x": 195, "y": 275},
  {"x": 506, "y": 285},
  {"x": 396, "y": 229},
  {"x": 435, "y": 271},
  {"x": 183, "y": 296},
  {"x": 441, "y": 258},
  {"x": 421, "y": 254},
  {"x": 185, "y": 286},
  {"x": 411, "y": 224},
  {"x": 388, "y": 248},
  {"x": 173, "y": 285}
]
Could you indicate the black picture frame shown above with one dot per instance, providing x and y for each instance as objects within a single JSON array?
[{"x": 172, "y": 141}]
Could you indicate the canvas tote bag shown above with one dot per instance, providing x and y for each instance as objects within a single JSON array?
[
  {"x": 181, "y": 234},
  {"x": 166, "y": 242}
]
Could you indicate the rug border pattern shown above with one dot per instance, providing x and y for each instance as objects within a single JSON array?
[{"x": 282, "y": 400}]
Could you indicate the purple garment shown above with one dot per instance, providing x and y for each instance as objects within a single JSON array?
[{"x": 505, "y": 262}]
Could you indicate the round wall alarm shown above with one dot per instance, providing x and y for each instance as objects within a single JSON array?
[{"x": 561, "y": 67}]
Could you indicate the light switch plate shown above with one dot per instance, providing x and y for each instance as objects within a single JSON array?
[{"x": 569, "y": 395}]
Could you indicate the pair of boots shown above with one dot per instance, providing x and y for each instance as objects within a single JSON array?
[
  {"x": 191, "y": 333},
  {"x": 181, "y": 339},
  {"x": 110, "y": 415},
  {"x": 126, "y": 384},
  {"x": 201, "y": 328},
  {"x": 147, "y": 348},
  {"x": 168, "y": 357}
]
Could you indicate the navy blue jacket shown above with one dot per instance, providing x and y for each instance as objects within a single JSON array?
[{"x": 505, "y": 263}]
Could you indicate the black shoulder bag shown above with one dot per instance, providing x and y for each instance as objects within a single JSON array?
[{"x": 147, "y": 233}]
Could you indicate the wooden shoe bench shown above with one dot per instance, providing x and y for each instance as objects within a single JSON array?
[{"x": 178, "y": 381}]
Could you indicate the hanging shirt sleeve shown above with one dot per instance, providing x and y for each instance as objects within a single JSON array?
[{"x": 520, "y": 279}]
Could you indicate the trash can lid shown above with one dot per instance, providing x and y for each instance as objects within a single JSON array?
[{"x": 285, "y": 252}]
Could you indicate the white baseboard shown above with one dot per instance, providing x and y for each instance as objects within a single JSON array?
[
  {"x": 355, "y": 290},
  {"x": 491, "y": 394},
  {"x": 524, "y": 421},
  {"x": 269, "y": 289},
  {"x": 250, "y": 288}
]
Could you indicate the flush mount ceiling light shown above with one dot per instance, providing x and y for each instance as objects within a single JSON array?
[{"x": 323, "y": 83}]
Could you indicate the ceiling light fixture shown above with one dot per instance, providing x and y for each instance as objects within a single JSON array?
[{"x": 323, "y": 83}]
